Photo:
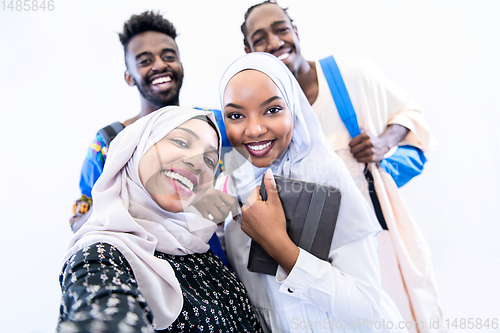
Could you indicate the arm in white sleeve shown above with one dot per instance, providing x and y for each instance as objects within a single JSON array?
[
  {"x": 346, "y": 287},
  {"x": 400, "y": 108}
]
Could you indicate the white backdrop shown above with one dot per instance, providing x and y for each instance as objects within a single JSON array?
[{"x": 61, "y": 79}]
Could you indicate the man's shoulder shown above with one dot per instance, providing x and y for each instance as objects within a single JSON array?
[
  {"x": 109, "y": 132},
  {"x": 99, "y": 146},
  {"x": 355, "y": 66},
  {"x": 360, "y": 72}
]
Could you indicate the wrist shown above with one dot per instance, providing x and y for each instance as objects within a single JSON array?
[
  {"x": 285, "y": 252},
  {"x": 275, "y": 245},
  {"x": 393, "y": 135}
]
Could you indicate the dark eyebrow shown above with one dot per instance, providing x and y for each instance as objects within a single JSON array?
[
  {"x": 190, "y": 132},
  {"x": 142, "y": 54},
  {"x": 236, "y": 106},
  {"x": 168, "y": 50},
  {"x": 193, "y": 134},
  {"x": 267, "y": 101},
  {"x": 213, "y": 150},
  {"x": 270, "y": 100},
  {"x": 275, "y": 23},
  {"x": 149, "y": 53}
]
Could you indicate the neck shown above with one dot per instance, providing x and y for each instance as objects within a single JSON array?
[
  {"x": 146, "y": 108},
  {"x": 308, "y": 79}
]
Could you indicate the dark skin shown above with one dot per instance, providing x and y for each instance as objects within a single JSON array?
[
  {"x": 265, "y": 223},
  {"x": 150, "y": 55},
  {"x": 255, "y": 111},
  {"x": 270, "y": 30},
  {"x": 369, "y": 148}
]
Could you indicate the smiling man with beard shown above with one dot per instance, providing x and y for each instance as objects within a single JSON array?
[
  {"x": 152, "y": 60},
  {"x": 152, "y": 65}
]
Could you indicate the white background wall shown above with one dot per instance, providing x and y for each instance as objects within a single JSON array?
[{"x": 61, "y": 79}]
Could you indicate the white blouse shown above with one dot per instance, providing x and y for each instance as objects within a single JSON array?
[{"x": 339, "y": 295}]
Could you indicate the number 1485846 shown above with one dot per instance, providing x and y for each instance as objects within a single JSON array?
[{"x": 27, "y": 5}]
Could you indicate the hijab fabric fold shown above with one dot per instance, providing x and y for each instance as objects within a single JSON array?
[
  {"x": 125, "y": 215},
  {"x": 309, "y": 156}
]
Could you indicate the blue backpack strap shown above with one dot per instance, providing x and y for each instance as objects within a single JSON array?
[
  {"x": 340, "y": 95},
  {"x": 406, "y": 163},
  {"x": 348, "y": 116}
]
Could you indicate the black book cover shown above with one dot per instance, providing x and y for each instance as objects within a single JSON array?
[{"x": 311, "y": 212}]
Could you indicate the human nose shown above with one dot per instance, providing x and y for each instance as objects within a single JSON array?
[
  {"x": 275, "y": 42},
  {"x": 195, "y": 163},
  {"x": 255, "y": 128},
  {"x": 159, "y": 64}
]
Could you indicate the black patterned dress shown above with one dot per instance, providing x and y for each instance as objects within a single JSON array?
[{"x": 100, "y": 294}]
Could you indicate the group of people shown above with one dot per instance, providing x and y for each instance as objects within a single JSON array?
[{"x": 145, "y": 255}]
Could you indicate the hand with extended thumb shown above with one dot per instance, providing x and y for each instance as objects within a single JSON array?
[
  {"x": 265, "y": 223},
  {"x": 269, "y": 186},
  {"x": 263, "y": 220}
]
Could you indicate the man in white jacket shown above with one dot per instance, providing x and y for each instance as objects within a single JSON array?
[{"x": 389, "y": 117}]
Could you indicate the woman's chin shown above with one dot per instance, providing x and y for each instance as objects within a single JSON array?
[
  {"x": 260, "y": 164},
  {"x": 170, "y": 202}
]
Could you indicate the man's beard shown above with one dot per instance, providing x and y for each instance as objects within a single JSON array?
[{"x": 158, "y": 99}]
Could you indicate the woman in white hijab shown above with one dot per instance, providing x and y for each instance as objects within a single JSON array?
[
  {"x": 142, "y": 261},
  {"x": 271, "y": 125}
]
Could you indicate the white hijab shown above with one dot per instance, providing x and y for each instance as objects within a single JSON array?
[
  {"x": 126, "y": 216},
  {"x": 309, "y": 156}
]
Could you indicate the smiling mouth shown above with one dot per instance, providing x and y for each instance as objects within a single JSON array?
[
  {"x": 160, "y": 80},
  {"x": 284, "y": 56},
  {"x": 260, "y": 148},
  {"x": 180, "y": 179}
]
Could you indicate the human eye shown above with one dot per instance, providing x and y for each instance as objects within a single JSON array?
[
  {"x": 235, "y": 116},
  {"x": 283, "y": 30},
  {"x": 169, "y": 57},
  {"x": 143, "y": 62},
  {"x": 274, "y": 109},
  {"x": 210, "y": 161},
  {"x": 258, "y": 40},
  {"x": 180, "y": 142}
]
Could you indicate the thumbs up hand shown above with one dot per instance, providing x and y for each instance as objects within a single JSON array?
[
  {"x": 265, "y": 223},
  {"x": 262, "y": 220}
]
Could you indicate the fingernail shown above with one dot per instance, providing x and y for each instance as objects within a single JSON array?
[{"x": 269, "y": 175}]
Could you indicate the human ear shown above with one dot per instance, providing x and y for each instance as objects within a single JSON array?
[
  {"x": 247, "y": 49},
  {"x": 129, "y": 79}
]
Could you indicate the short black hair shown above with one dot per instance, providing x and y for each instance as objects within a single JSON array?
[
  {"x": 250, "y": 9},
  {"x": 147, "y": 21}
]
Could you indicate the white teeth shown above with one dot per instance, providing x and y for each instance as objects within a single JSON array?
[
  {"x": 260, "y": 147},
  {"x": 181, "y": 179},
  {"x": 162, "y": 80},
  {"x": 283, "y": 56}
]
